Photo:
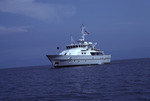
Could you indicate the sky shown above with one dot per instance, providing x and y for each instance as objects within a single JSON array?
[{"x": 30, "y": 29}]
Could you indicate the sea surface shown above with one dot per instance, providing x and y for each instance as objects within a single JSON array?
[{"x": 123, "y": 80}]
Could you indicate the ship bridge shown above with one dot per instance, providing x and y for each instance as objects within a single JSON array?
[{"x": 81, "y": 47}]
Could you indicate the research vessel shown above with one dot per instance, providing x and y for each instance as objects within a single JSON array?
[{"x": 80, "y": 53}]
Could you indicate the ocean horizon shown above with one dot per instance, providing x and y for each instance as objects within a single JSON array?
[
  {"x": 121, "y": 80},
  {"x": 51, "y": 66}
]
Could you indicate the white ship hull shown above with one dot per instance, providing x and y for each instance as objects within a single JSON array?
[{"x": 78, "y": 60}]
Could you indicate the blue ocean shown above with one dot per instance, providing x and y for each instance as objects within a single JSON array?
[{"x": 122, "y": 80}]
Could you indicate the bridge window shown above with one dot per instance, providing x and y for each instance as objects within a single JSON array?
[
  {"x": 75, "y": 46},
  {"x": 96, "y": 53},
  {"x": 68, "y": 47},
  {"x": 56, "y": 63},
  {"x": 92, "y": 53}
]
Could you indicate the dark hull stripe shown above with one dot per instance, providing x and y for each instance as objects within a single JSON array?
[{"x": 74, "y": 65}]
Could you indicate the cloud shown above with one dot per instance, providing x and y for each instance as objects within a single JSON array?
[
  {"x": 4, "y": 29},
  {"x": 41, "y": 11}
]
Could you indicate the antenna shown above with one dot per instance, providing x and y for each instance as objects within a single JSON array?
[
  {"x": 94, "y": 44},
  {"x": 72, "y": 40}
]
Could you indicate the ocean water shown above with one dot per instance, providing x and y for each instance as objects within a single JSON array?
[{"x": 124, "y": 80}]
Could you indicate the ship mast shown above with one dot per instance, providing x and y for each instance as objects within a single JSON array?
[{"x": 82, "y": 32}]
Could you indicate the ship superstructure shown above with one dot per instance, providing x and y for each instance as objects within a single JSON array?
[{"x": 80, "y": 53}]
